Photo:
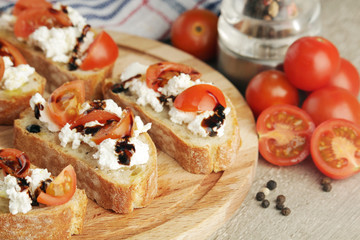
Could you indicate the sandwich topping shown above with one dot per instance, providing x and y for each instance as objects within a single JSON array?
[{"x": 178, "y": 89}]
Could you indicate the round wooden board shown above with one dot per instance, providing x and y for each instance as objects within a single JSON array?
[{"x": 188, "y": 206}]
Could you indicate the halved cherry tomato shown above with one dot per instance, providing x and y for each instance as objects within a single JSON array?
[
  {"x": 64, "y": 103},
  {"x": 8, "y": 50},
  {"x": 99, "y": 115},
  {"x": 32, "y": 18},
  {"x": 117, "y": 129},
  {"x": 200, "y": 97},
  {"x": 2, "y": 68},
  {"x": 61, "y": 190},
  {"x": 101, "y": 53},
  {"x": 284, "y": 134},
  {"x": 157, "y": 75},
  {"x": 14, "y": 162},
  {"x": 335, "y": 148},
  {"x": 22, "y": 5}
]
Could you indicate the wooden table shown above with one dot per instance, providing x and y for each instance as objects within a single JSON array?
[{"x": 315, "y": 214}]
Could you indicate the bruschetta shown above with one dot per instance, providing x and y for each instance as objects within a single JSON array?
[
  {"x": 57, "y": 41},
  {"x": 113, "y": 156},
  {"x": 36, "y": 205},
  {"x": 18, "y": 82},
  {"x": 192, "y": 121}
]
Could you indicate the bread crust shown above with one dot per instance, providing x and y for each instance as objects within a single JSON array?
[
  {"x": 57, "y": 74},
  {"x": 194, "y": 154},
  {"x": 55, "y": 222},
  {"x": 99, "y": 186},
  {"x": 12, "y": 103}
]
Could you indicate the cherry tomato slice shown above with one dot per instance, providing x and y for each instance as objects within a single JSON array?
[
  {"x": 284, "y": 134},
  {"x": 335, "y": 148},
  {"x": 31, "y": 19},
  {"x": 101, "y": 53},
  {"x": 117, "y": 129},
  {"x": 157, "y": 75},
  {"x": 99, "y": 115},
  {"x": 2, "y": 68},
  {"x": 200, "y": 97},
  {"x": 22, "y": 5},
  {"x": 64, "y": 103},
  {"x": 61, "y": 190},
  {"x": 8, "y": 50},
  {"x": 14, "y": 162}
]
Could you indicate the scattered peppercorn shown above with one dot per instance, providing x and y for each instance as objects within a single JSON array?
[
  {"x": 325, "y": 180},
  {"x": 280, "y": 199},
  {"x": 326, "y": 187},
  {"x": 265, "y": 190},
  {"x": 285, "y": 211},
  {"x": 265, "y": 203},
  {"x": 271, "y": 184},
  {"x": 260, "y": 196},
  {"x": 33, "y": 128},
  {"x": 279, "y": 206}
]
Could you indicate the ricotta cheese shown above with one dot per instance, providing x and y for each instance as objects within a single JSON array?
[
  {"x": 20, "y": 202},
  {"x": 15, "y": 77}
]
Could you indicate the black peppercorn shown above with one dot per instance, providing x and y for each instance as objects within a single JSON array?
[
  {"x": 260, "y": 196},
  {"x": 280, "y": 199},
  {"x": 271, "y": 185},
  {"x": 326, "y": 187},
  {"x": 325, "y": 180},
  {"x": 265, "y": 203},
  {"x": 279, "y": 206},
  {"x": 33, "y": 128},
  {"x": 285, "y": 211}
]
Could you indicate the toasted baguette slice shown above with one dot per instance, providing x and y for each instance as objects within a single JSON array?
[
  {"x": 119, "y": 190},
  {"x": 57, "y": 73},
  {"x": 15, "y": 101},
  {"x": 48, "y": 222},
  {"x": 194, "y": 153}
]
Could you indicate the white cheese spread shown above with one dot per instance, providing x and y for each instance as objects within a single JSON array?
[{"x": 15, "y": 77}]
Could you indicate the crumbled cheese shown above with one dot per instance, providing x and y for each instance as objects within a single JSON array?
[
  {"x": 145, "y": 95},
  {"x": 133, "y": 70},
  {"x": 67, "y": 135},
  {"x": 36, "y": 177},
  {"x": 178, "y": 84},
  {"x": 44, "y": 115},
  {"x": 20, "y": 201},
  {"x": 139, "y": 126},
  {"x": 15, "y": 77},
  {"x": 112, "y": 107}
]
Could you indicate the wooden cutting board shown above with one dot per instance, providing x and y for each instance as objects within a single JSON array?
[{"x": 187, "y": 206}]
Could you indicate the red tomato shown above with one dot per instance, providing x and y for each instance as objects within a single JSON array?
[
  {"x": 200, "y": 97},
  {"x": 347, "y": 77},
  {"x": 269, "y": 88},
  {"x": 99, "y": 115},
  {"x": 101, "y": 53},
  {"x": 157, "y": 75},
  {"x": 64, "y": 103},
  {"x": 116, "y": 129},
  {"x": 2, "y": 68},
  {"x": 8, "y": 50},
  {"x": 22, "y": 5},
  {"x": 310, "y": 62},
  {"x": 195, "y": 32},
  {"x": 32, "y": 18},
  {"x": 14, "y": 162},
  {"x": 284, "y": 134},
  {"x": 60, "y": 190},
  {"x": 332, "y": 102},
  {"x": 335, "y": 146}
]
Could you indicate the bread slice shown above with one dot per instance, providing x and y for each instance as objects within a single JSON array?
[
  {"x": 194, "y": 153},
  {"x": 57, "y": 73},
  {"x": 45, "y": 222},
  {"x": 119, "y": 190},
  {"x": 15, "y": 101}
]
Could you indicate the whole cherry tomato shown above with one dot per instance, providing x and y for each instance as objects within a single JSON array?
[
  {"x": 195, "y": 32},
  {"x": 347, "y": 77},
  {"x": 284, "y": 134},
  {"x": 310, "y": 62},
  {"x": 268, "y": 88},
  {"x": 332, "y": 102},
  {"x": 335, "y": 147}
]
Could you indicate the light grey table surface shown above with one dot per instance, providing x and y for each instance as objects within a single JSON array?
[{"x": 315, "y": 214}]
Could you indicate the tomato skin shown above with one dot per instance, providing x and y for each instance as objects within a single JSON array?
[
  {"x": 284, "y": 134},
  {"x": 64, "y": 103},
  {"x": 335, "y": 146},
  {"x": 158, "y": 74},
  {"x": 332, "y": 102},
  {"x": 65, "y": 183},
  {"x": 2, "y": 68},
  {"x": 310, "y": 62},
  {"x": 195, "y": 32},
  {"x": 22, "y": 5},
  {"x": 99, "y": 115},
  {"x": 102, "y": 52},
  {"x": 268, "y": 88},
  {"x": 14, "y": 162},
  {"x": 7, "y": 49},
  {"x": 346, "y": 77},
  {"x": 200, "y": 97}
]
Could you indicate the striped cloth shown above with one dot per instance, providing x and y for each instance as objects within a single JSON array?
[{"x": 145, "y": 18}]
